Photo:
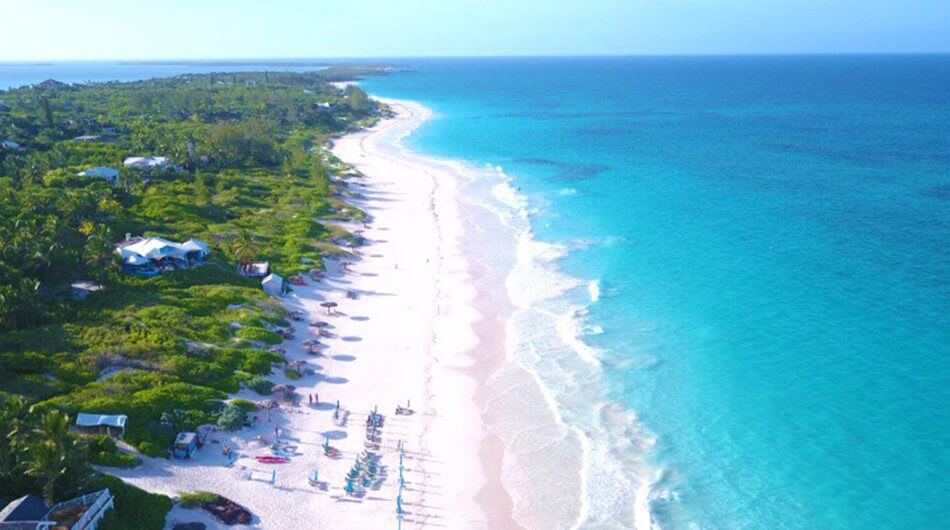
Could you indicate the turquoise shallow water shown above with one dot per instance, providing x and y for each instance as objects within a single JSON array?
[{"x": 769, "y": 237}]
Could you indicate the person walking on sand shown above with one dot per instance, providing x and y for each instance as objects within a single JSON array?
[
  {"x": 310, "y": 399},
  {"x": 316, "y": 399}
]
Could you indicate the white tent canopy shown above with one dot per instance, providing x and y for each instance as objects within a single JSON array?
[
  {"x": 100, "y": 420},
  {"x": 153, "y": 248},
  {"x": 194, "y": 245},
  {"x": 135, "y": 259}
]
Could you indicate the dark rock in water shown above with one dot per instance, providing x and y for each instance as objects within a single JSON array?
[
  {"x": 189, "y": 526},
  {"x": 228, "y": 511}
]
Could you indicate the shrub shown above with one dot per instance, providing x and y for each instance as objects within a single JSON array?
[
  {"x": 27, "y": 362},
  {"x": 253, "y": 333},
  {"x": 232, "y": 418},
  {"x": 261, "y": 386},
  {"x": 135, "y": 509},
  {"x": 194, "y": 499},
  {"x": 114, "y": 459},
  {"x": 244, "y": 404},
  {"x": 292, "y": 374}
]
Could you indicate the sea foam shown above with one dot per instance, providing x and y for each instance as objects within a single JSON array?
[{"x": 601, "y": 442}]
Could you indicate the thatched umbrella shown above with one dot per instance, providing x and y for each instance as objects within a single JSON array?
[{"x": 329, "y": 306}]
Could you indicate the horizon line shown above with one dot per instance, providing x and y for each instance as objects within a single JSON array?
[{"x": 173, "y": 60}]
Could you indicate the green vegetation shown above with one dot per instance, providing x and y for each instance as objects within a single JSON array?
[
  {"x": 103, "y": 452},
  {"x": 194, "y": 499},
  {"x": 252, "y": 179},
  {"x": 135, "y": 509},
  {"x": 232, "y": 418},
  {"x": 243, "y": 404}
]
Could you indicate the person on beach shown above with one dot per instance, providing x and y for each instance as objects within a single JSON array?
[{"x": 310, "y": 399}]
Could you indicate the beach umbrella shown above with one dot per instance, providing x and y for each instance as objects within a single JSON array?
[{"x": 329, "y": 306}]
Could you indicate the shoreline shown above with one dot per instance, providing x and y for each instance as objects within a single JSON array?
[
  {"x": 402, "y": 334},
  {"x": 487, "y": 353},
  {"x": 432, "y": 311}
]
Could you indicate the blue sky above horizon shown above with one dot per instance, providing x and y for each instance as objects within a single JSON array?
[{"x": 36, "y": 30}]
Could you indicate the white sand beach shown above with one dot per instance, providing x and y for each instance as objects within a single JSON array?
[{"x": 401, "y": 334}]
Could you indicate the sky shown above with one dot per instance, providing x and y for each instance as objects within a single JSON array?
[{"x": 51, "y": 30}]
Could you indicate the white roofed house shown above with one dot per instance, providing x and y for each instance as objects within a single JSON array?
[
  {"x": 10, "y": 145},
  {"x": 150, "y": 256},
  {"x": 108, "y": 174},
  {"x": 157, "y": 163}
]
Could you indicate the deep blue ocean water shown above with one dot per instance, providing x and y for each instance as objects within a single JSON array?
[
  {"x": 770, "y": 237},
  {"x": 771, "y": 240}
]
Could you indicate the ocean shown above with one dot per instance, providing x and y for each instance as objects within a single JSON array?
[
  {"x": 748, "y": 257},
  {"x": 732, "y": 279}
]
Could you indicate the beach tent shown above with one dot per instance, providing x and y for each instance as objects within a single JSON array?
[
  {"x": 101, "y": 420},
  {"x": 107, "y": 174},
  {"x": 273, "y": 284}
]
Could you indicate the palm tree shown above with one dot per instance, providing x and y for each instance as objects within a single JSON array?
[
  {"x": 14, "y": 437},
  {"x": 244, "y": 246},
  {"x": 47, "y": 462},
  {"x": 99, "y": 252},
  {"x": 53, "y": 427},
  {"x": 28, "y": 309}
]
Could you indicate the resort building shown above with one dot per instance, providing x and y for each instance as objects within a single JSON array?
[
  {"x": 10, "y": 145},
  {"x": 150, "y": 256},
  {"x": 108, "y": 174},
  {"x": 82, "y": 513}
]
